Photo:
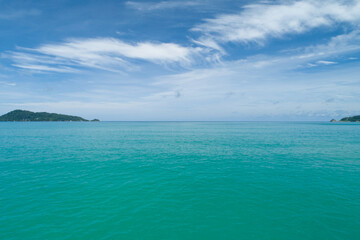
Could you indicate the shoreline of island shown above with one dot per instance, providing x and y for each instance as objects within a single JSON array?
[{"x": 28, "y": 116}]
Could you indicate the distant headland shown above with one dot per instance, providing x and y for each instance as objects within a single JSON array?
[
  {"x": 27, "y": 116},
  {"x": 348, "y": 119}
]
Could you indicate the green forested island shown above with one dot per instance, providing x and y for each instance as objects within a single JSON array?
[
  {"x": 351, "y": 119},
  {"x": 27, "y": 116},
  {"x": 348, "y": 119}
]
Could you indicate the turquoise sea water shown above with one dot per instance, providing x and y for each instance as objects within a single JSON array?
[{"x": 180, "y": 180}]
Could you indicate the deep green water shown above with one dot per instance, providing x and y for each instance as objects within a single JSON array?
[{"x": 180, "y": 180}]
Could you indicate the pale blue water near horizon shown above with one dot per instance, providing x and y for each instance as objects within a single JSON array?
[{"x": 179, "y": 180}]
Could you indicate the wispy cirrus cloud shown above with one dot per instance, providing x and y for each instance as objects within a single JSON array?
[
  {"x": 326, "y": 62},
  {"x": 108, "y": 54},
  {"x": 43, "y": 68},
  {"x": 258, "y": 22},
  {"x": 12, "y": 84},
  {"x": 343, "y": 43},
  {"x": 153, "y": 6}
]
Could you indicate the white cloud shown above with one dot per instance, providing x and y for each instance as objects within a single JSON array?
[
  {"x": 103, "y": 53},
  {"x": 343, "y": 43},
  {"x": 152, "y": 6},
  {"x": 325, "y": 62},
  {"x": 340, "y": 45},
  {"x": 309, "y": 56},
  {"x": 11, "y": 84},
  {"x": 42, "y": 68},
  {"x": 257, "y": 22},
  {"x": 96, "y": 48},
  {"x": 312, "y": 65}
]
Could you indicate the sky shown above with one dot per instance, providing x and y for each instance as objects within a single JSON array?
[{"x": 213, "y": 60}]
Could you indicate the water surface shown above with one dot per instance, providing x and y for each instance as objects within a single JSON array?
[{"x": 179, "y": 180}]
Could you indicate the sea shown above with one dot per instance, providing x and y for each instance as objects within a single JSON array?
[{"x": 179, "y": 180}]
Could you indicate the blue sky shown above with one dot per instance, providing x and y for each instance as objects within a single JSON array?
[{"x": 181, "y": 60}]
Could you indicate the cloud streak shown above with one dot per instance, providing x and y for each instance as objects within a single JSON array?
[
  {"x": 102, "y": 53},
  {"x": 258, "y": 22},
  {"x": 152, "y": 6},
  {"x": 11, "y": 84}
]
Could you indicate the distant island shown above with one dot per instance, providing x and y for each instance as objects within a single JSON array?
[
  {"x": 348, "y": 119},
  {"x": 27, "y": 116}
]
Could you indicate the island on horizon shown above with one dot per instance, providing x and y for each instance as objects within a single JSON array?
[
  {"x": 28, "y": 116},
  {"x": 348, "y": 119}
]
